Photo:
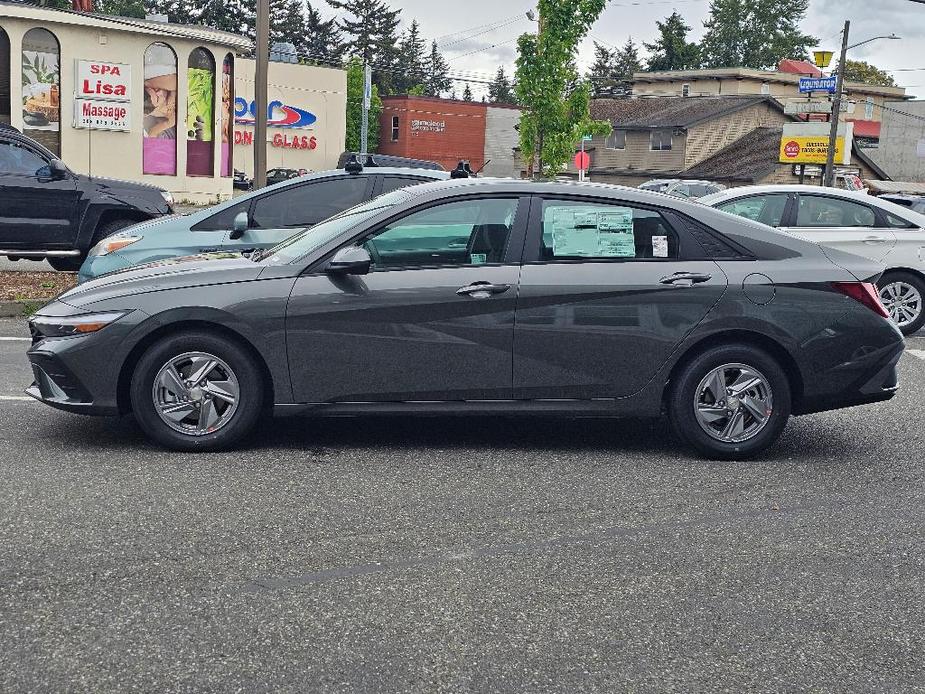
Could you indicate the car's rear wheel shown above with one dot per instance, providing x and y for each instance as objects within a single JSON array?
[
  {"x": 197, "y": 392},
  {"x": 903, "y": 295},
  {"x": 730, "y": 402}
]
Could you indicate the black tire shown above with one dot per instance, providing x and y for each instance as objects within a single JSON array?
[
  {"x": 250, "y": 400},
  {"x": 73, "y": 263},
  {"x": 682, "y": 410},
  {"x": 913, "y": 280}
]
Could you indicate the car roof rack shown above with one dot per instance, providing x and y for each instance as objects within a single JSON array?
[
  {"x": 462, "y": 170},
  {"x": 371, "y": 161},
  {"x": 353, "y": 165}
]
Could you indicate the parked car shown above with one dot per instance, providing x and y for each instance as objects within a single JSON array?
[
  {"x": 275, "y": 176},
  {"x": 483, "y": 296},
  {"x": 682, "y": 188},
  {"x": 849, "y": 221},
  {"x": 659, "y": 185},
  {"x": 916, "y": 203},
  {"x": 241, "y": 181},
  {"x": 388, "y": 160},
  {"x": 48, "y": 211},
  {"x": 249, "y": 222}
]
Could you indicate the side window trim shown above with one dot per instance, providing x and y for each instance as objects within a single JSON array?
[{"x": 534, "y": 240}]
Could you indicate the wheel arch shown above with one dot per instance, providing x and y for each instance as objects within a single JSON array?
[
  {"x": 123, "y": 396},
  {"x": 902, "y": 268},
  {"x": 747, "y": 337}
]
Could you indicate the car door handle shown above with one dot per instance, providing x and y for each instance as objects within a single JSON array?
[
  {"x": 875, "y": 239},
  {"x": 482, "y": 290},
  {"x": 686, "y": 279}
]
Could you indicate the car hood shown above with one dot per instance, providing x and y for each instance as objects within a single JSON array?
[
  {"x": 119, "y": 184},
  {"x": 173, "y": 273}
]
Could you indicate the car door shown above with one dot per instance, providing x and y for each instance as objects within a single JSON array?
[
  {"x": 282, "y": 212},
  {"x": 768, "y": 208},
  {"x": 428, "y": 322},
  {"x": 836, "y": 222},
  {"x": 608, "y": 290},
  {"x": 36, "y": 211},
  {"x": 211, "y": 234}
]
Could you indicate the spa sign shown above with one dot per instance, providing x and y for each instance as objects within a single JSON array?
[{"x": 102, "y": 95}]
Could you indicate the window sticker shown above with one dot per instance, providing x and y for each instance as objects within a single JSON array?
[
  {"x": 591, "y": 232},
  {"x": 479, "y": 258},
  {"x": 660, "y": 246}
]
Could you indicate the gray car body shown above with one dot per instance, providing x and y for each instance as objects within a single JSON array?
[{"x": 406, "y": 342}]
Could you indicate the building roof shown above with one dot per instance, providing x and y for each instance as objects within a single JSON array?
[
  {"x": 866, "y": 128},
  {"x": 645, "y": 113},
  {"x": 799, "y": 67},
  {"x": 131, "y": 24},
  {"x": 744, "y": 73},
  {"x": 753, "y": 157}
]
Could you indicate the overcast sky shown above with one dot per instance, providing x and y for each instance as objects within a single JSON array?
[{"x": 478, "y": 35}]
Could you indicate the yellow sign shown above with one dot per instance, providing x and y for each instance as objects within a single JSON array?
[
  {"x": 823, "y": 58},
  {"x": 809, "y": 150}
]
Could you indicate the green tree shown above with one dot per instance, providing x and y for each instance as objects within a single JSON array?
[
  {"x": 467, "y": 93},
  {"x": 754, "y": 33},
  {"x": 671, "y": 50},
  {"x": 177, "y": 11},
  {"x": 371, "y": 29},
  {"x": 859, "y": 71},
  {"x": 556, "y": 102},
  {"x": 120, "y": 8},
  {"x": 601, "y": 74},
  {"x": 437, "y": 79},
  {"x": 412, "y": 56},
  {"x": 501, "y": 91},
  {"x": 286, "y": 19},
  {"x": 355, "y": 108},
  {"x": 321, "y": 41},
  {"x": 235, "y": 16}
]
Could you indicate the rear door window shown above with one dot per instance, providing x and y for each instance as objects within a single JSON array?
[
  {"x": 767, "y": 209},
  {"x": 306, "y": 205},
  {"x": 820, "y": 211}
]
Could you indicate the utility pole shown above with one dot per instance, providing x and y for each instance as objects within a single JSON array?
[
  {"x": 829, "y": 178},
  {"x": 367, "y": 100},
  {"x": 261, "y": 76}
]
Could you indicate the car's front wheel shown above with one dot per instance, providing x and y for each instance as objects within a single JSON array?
[
  {"x": 903, "y": 296},
  {"x": 197, "y": 392},
  {"x": 730, "y": 402}
]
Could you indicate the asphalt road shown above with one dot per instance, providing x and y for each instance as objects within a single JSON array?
[{"x": 482, "y": 555}]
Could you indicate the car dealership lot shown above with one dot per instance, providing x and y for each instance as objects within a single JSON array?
[{"x": 487, "y": 554}]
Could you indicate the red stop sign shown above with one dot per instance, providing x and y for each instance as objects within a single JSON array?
[
  {"x": 582, "y": 161},
  {"x": 792, "y": 149}
]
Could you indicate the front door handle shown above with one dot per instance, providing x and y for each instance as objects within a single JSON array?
[
  {"x": 875, "y": 239},
  {"x": 482, "y": 290},
  {"x": 686, "y": 279}
]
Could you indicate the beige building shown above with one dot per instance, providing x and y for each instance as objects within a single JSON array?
[
  {"x": 866, "y": 100},
  {"x": 121, "y": 97}
]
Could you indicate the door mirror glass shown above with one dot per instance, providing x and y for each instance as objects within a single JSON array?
[
  {"x": 239, "y": 225},
  {"x": 352, "y": 260}
]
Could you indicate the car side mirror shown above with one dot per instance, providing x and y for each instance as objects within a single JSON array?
[
  {"x": 353, "y": 260},
  {"x": 57, "y": 169},
  {"x": 239, "y": 225}
]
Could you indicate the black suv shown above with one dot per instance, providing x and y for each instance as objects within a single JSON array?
[{"x": 48, "y": 211}]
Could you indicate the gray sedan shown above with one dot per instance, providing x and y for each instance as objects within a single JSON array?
[{"x": 482, "y": 296}]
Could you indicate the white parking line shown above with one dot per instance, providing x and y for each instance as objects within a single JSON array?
[
  {"x": 920, "y": 353},
  {"x": 17, "y": 398},
  {"x": 15, "y": 339}
]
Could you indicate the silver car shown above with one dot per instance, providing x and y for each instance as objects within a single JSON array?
[{"x": 849, "y": 221}]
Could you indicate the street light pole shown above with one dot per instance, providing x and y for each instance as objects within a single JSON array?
[
  {"x": 829, "y": 178},
  {"x": 261, "y": 75}
]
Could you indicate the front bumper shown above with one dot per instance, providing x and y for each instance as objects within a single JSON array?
[
  {"x": 96, "y": 265},
  {"x": 57, "y": 386}
]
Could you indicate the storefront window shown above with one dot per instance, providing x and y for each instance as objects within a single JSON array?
[
  {"x": 159, "y": 152},
  {"x": 200, "y": 119},
  {"x": 5, "y": 110},
  {"x": 227, "y": 112},
  {"x": 41, "y": 88}
]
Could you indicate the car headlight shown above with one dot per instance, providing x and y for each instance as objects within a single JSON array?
[
  {"x": 112, "y": 244},
  {"x": 68, "y": 326},
  {"x": 168, "y": 198}
]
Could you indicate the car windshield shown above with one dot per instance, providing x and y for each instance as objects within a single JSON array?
[{"x": 303, "y": 243}]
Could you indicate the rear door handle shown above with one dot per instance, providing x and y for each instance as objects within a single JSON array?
[
  {"x": 686, "y": 279},
  {"x": 482, "y": 290},
  {"x": 875, "y": 239}
]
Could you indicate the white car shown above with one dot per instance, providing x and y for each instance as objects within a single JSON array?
[{"x": 849, "y": 221}]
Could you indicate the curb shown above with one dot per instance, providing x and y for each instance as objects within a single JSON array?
[{"x": 20, "y": 308}]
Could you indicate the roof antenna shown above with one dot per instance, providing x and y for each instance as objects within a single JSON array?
[
  {"x": 353, "y": 165},
  {"x": 460, "y": 171}
]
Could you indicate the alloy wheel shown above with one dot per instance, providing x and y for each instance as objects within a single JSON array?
[
  {"x": 733, "y": 403},
  {"x": 902, "y": 301},
  {"x": 196, "y": 393}
]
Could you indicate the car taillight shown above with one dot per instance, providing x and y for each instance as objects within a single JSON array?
[{"x": 865, "y": 293}]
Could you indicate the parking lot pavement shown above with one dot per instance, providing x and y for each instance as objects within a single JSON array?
[
  {"x": 24, "y": 265},
  {"x": 452, "y": 555}
]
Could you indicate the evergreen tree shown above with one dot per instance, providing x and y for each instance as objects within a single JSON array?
[
  {"x": 602, "y": 71},
  {"x": 120, "y": 8},
  {"x": 467, "y": 93},
  {"x": 412, "y": 55},
  {"x": 437, "y": 81},
  {"x": 177, "y": 11},
  {"x": 321, "y": 40},
  {"x": 371, "y": 28},
  {"x": 286, "y": 20},
  {"x": 355, "y": 83},
  {"x": 671, "y": 50},
  {"x": 235, "y": 16},
  {"x": 626, "y": 61},
  {"x": 501, "y": 91},
  {"x": 754, "y": 33}
]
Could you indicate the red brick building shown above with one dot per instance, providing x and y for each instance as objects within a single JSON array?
[{"x": 447, "y": 131}]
